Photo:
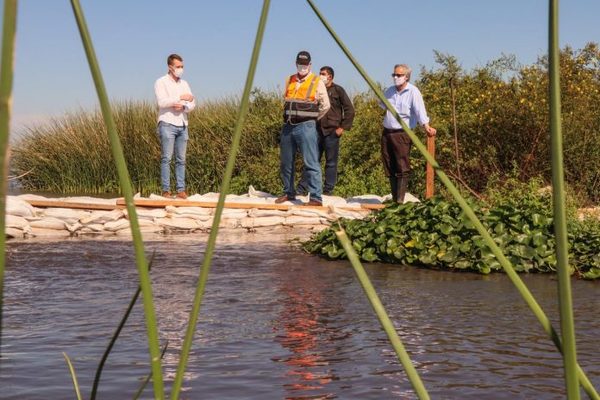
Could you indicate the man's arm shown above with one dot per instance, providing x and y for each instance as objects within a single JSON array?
[
  {"x": 189, "y": 98},
  {"x": 162, "y": 96},
  {"x": 322, "y": 99},
  {"x": 347, "y": 110},
  {"x": 421, "y": 114}
]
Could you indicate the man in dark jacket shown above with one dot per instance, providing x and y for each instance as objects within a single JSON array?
[{"x": 331, "y": 128}]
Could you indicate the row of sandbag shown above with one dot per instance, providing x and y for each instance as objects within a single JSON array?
[{"x": 23, "y": 220}]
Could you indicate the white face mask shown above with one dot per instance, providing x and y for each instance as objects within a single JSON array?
[
  {"x": 325, "y": 79},
  {"x": 178, "y": 72},
  {"x": 399, "y": 80},
  {"x": 302, "y": 69}
]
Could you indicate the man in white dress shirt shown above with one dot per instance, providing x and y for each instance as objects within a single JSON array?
[{"x": 175, "y": 101}]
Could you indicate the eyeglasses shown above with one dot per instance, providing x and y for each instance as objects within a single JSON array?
[{"x": 398, "y": 75}]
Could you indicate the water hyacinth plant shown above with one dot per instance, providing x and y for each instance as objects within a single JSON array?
[{"x": 436, "y": 234}]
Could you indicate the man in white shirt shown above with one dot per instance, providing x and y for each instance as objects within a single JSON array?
[{"x": 175, "y": 101}]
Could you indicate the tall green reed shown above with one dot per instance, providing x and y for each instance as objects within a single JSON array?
[
  {"x": 9, "y": 24},
  {"x": 504, "y": 262},
  {"x": 241, "y": 117},
  {"x": 117, "y": 151},
  {"x": 567, "y": 327}
]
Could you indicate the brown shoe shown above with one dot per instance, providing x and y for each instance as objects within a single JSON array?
[
  {"x": 181, "y": 195},
  {"x": 284, "y": 198},
  {"x": 167, "y": 194},
  {"x": 316, "y": 203}
]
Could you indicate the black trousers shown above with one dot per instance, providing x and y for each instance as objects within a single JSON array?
[{"x": 395, "y": 151}]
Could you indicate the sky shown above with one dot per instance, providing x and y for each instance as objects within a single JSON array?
[{"x": 215, "y": 38}]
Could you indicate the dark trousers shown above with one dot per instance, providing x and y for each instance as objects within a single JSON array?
[
  {"x": 329, "y": 145},
  {"x": 395, "y": 151}
]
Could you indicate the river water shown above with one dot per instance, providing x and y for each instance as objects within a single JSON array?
[{"x": 277, "y": 323}]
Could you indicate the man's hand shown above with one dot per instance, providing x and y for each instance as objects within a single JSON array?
[
  {"x": 178, "y": 107},
  {"x": 430, "y": 130},
  {"x": 339, "y": 132},
  {"x": 187, "y": 97}
]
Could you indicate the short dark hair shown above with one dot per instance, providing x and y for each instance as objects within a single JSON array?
[
  {"x": 173, "y": 57},
  {"x": 329, "y": 70}
]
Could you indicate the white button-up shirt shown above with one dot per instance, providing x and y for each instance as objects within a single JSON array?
[
  {"x": 168, "y": 92},
  {"x": 409, "y": 105}
]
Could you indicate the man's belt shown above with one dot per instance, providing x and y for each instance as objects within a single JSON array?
[{"x": 388, "y": 130}]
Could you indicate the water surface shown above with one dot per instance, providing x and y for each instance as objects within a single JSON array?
[{"x": 277, "y": 323}]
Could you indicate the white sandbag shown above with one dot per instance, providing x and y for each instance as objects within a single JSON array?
[
  {"x": 189, "y": 210},
  {"x": 365, "y": 199},
  {"x": 113, "y": 226},
  {"x": 19, "y": 207},
  {"x": 102, "y": 217},
  {"x": 49, "y": 223},
  {"x": 261, "y": 221},
  {"x": 257, "y": 193},
  {"x": 258, "y": 213},
  {"x": 147, "y": 213},
  {"x": 245, "y": 200},
  {"x": 70, "y": 216},
  {"x": 308, "y": 212},
  {"x": 177, "y": 223},
  {"x": 74, "y": 227},
  {"x": 14, "y": 233},
  {"x": 42, "y": 232},
  {"x": 334, "y": 201},
  {"x": 342, "y": 213},
  {"x": 97, "y": 228},
  {"x": 301, "y": 220},
  {"x": 14, "y": 221},
  {"x": 229, "y": 223},
  {"x": 197, "y": 217},
  {"x": 234, "y": 213}
]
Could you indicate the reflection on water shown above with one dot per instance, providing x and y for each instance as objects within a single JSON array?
[{"x": 277, "y": 324}]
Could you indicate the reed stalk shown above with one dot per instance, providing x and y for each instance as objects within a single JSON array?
[
  {"x": 205, "y": 269},
  {"x": 125, "y": 184},
  {"x": 567, "y": 327},
  {"x": 506, "y": 265},
  {"x": 73, "y": 376},
  {"x": 9, "y": 27},
  {"x": 384, "y": 319},
  {"x": 148, "y": 376}
]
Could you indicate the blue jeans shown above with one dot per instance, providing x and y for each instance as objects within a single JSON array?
[
  {"x": 330, "y": 145},
  {"x": 302, "y": 137},
  {"x": 172, "y": 139}
]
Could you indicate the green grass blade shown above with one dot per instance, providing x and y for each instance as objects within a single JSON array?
[
  {"x": 147, "y": 378},
  {"x": 117, "y": 151},
  {"x": 384, "y": 319},
  {"x": 567, "y": 327},
  {"x": 116, "y": 334},
  {"x": 191, "y": 328},
  {"x": 506, "y": 265},
  {"x": 9, "y": 27},
  {"x": 73, "y": 375}
]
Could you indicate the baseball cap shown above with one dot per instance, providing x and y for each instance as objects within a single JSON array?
[{"x": 303, "y": 58}]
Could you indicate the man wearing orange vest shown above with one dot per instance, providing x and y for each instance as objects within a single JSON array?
[{"x": 306, "y": 101}]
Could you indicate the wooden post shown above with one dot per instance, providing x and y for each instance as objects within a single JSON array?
[{"x": 430, "y": 173}]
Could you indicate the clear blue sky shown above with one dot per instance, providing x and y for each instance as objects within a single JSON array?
[{"x": 215, "y": 38}]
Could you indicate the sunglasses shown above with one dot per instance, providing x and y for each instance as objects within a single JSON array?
[{"x": 398, "y": 75}]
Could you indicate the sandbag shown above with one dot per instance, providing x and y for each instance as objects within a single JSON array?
[
  {"x": 13, "y": 221},
  {"x": 102, "y": 217},
  {"x": 19, "y": 207},
  {"x": 14, "y": 233},
  {"x": 70, "y": 216},
  {"x": 189, "y": 210},
  {"x": 250, "y": 222},
  {"x": 42, "y": 232},
  {"x": 49, "y": 223},
  {"x": 257, "y": 213},
  {"x": 177, "y": 223},
  {"x": 302, "y": 220}
]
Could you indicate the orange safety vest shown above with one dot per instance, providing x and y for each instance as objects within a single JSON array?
[{"x": 301, "y": 99}]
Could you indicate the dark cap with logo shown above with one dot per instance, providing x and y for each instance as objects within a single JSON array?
[{"x": 303, "y": 58}]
